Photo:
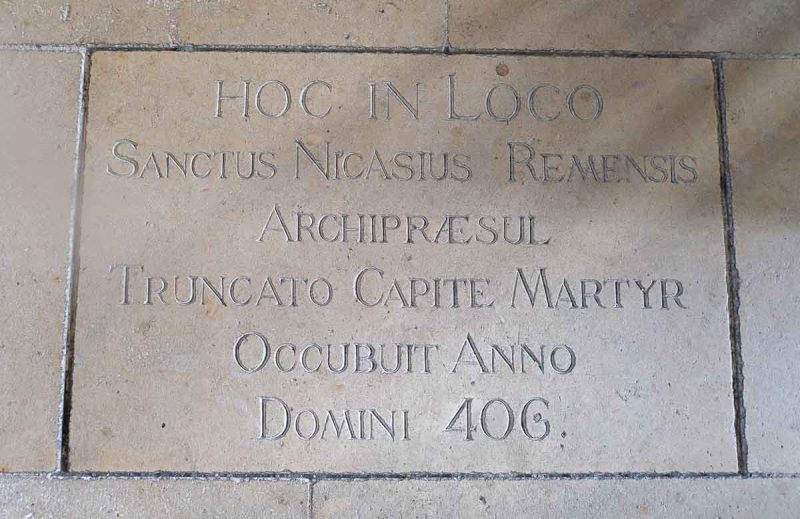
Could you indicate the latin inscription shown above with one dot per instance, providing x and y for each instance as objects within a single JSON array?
[
  {"x": 423, "y": 266},
  {"x": 526, "y": 286}
]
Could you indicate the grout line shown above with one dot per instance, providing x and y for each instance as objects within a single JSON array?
[
  {"x": 314, "y": 477},
  {"x": 310, "y": 513},
  {"x": 180, "y": 47},
  {"x": 585, "y": 53},
  {"x": 625, "y": 53},
  {"x": 41, "y": 47},
  {"x": 732, "y": 272},
  {"x": 73, "y": 269}
]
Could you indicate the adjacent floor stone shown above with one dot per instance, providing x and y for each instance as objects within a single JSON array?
[
  {"x": 84, "y": 21},
  {"x": 28, "y": 497},
  {"x": 373, "y": 23},
  {"x": 763, "y": 114},
  {"x": 203, "y": 228},
  {"x": 636, "y": 25},
  {"x": 38, "y": 100},
  {"x": 652, "y": 498}
]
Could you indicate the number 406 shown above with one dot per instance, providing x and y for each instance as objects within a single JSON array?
[{"x": 531, "y": 421}]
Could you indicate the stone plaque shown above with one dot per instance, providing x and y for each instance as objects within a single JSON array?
[
  {"x": 763, "y": 130},
  {"x": 361, "y": 263},
  {"x": 631, "y": 25},
  {"x": 38, "y": 97}
]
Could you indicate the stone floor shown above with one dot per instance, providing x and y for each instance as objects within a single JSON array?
[{"x": 399, "y": 258}]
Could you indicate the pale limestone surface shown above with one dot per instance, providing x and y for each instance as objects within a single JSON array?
[
  {"x": 763, "y": 100},
  {"x": 38, "y": 102},
  {"x": 157, "y": 387},
  {"x": 348, "y": 23},
  {"x": 85, "y": 21},
  {"x": 636, "y": 25},
  {"x": 373, "y": 23},
  {"x": 75, "y": 498},
  {"x": 724, "y": 498}
]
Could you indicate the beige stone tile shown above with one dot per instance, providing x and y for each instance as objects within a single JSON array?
[
  {"x": 84, "y": 21},
  {"x": 649, "y": 389},
  {"x": 373, "y": 23},
  {"x": 653, "y": 498},
  {"x": 763, "y": 131},
  {"x": 636, "y": 25},
  {"x": 38, "y": 100},
  {"x": 67, "y": 498}
]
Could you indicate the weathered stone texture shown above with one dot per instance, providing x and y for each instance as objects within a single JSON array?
[
  {"x": 763, "y": 114},
  {"x": 352, "y": 23},
  {"x": 651, "y": 498},
  {"x": 633, "y": 25},
  {"x": 84, "y": 21},
  {"x": 38, "y": 102},
  {"x": 369, "y": 23},
  {"x": 76, "y": 498}
]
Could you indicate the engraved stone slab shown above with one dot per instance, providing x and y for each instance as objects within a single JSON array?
[
  {"x": 28, "y": 497},
  {"x": 38, "y": 100},
  {"x": 636, "y": 25},
  {"x": 84, "y": 21},
  {"x": 401, "y": 263},
  {"x": 763, "y": 100},
  {"x": 353, "y": 23},
  {"x": 655, "y": 498}
]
